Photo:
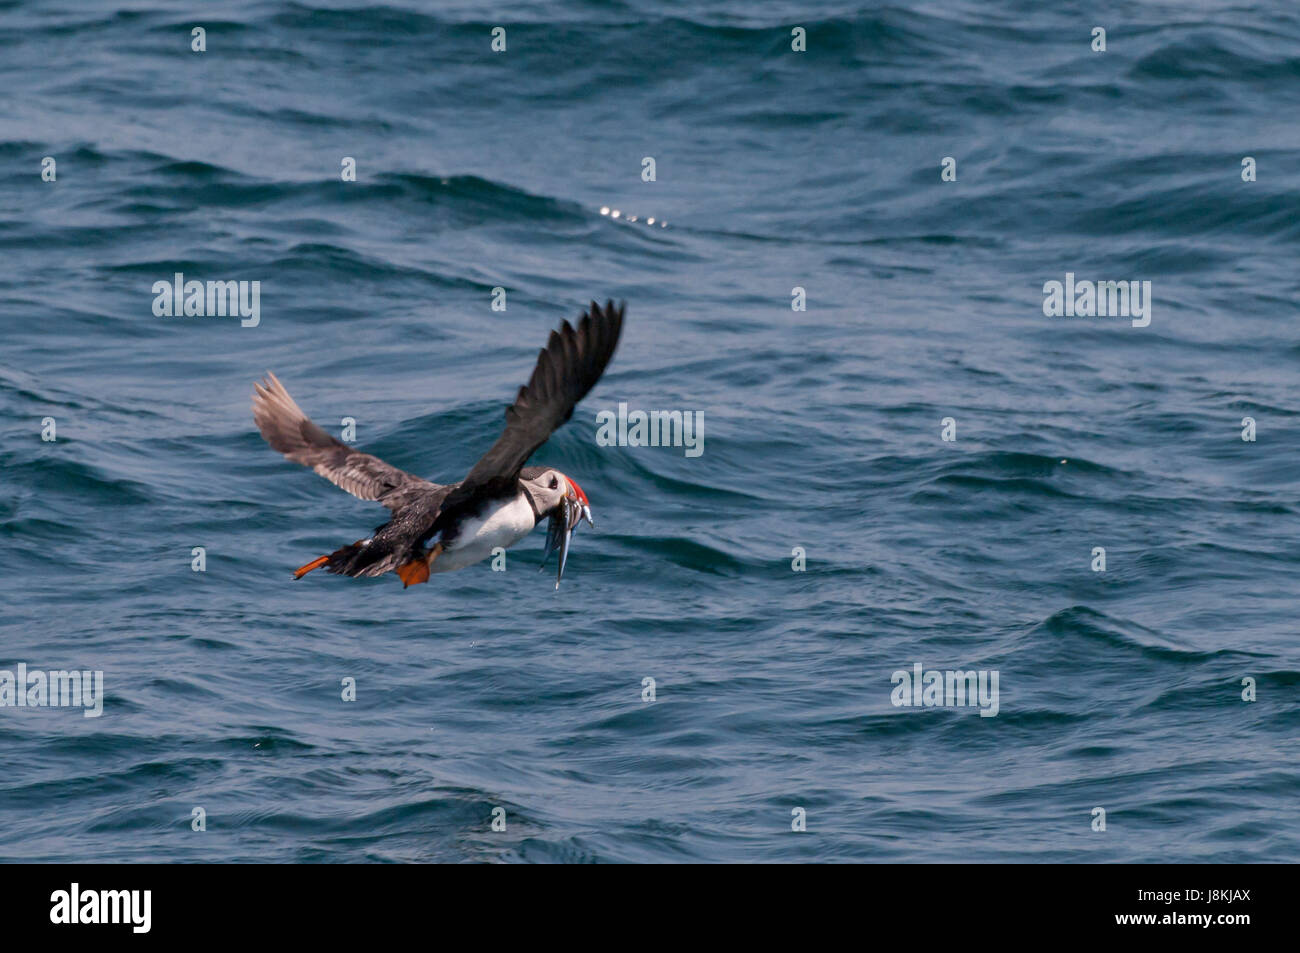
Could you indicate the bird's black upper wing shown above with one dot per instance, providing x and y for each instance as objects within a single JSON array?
[
  {"x": 567, "y": 368},
  {"x": 290, "y": 431}
]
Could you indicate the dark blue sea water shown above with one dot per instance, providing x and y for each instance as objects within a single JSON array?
[{"x": 775, "y": 169}]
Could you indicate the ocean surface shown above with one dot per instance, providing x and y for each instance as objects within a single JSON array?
[{"x": 775, "y": 170}]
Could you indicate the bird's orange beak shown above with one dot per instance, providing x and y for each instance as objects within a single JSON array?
[
  {"x": 565, "y": 517},
  {"x": 584, "y": 506}
]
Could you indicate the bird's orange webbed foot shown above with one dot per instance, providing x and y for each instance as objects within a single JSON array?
[
  {"x": 314, "y": 564},
  {"x": 417, "y": 570}
]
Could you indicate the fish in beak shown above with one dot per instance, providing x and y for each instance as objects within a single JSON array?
[{"x": 566, "y": 516}]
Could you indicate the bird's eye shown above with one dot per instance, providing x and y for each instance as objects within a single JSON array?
[{"x": 554, "y": 483}]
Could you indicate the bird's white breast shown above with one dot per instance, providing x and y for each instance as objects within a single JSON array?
[{"x": 504, "y": 526}]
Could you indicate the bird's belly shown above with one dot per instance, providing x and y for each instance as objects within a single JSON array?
[{"x": 503, "y": 526}]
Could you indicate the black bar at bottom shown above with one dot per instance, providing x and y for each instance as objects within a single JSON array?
[{"x": 948, "y": 904}]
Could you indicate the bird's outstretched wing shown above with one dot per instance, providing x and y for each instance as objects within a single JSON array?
[
  {"x": 567, "y": 368},
  {"x": 290, "y": 431}
]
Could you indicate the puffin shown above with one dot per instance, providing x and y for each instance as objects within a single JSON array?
[{"x": 444, "y": 527}]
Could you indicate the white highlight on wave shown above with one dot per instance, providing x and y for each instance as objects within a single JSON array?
[{"x": 615, "y": 213}]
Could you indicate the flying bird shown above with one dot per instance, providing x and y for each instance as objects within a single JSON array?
[{"x": 441, "y": 528}]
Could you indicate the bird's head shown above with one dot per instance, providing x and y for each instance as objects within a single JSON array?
[{"x": 560, "y": 498}]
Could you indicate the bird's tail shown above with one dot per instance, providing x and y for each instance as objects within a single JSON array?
[
  {"x": 370, "y": 557},
  {"x": 356, "y": 559},
  {"x": 314, "y": 564},
  {"x": 340, "y": 561}
]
